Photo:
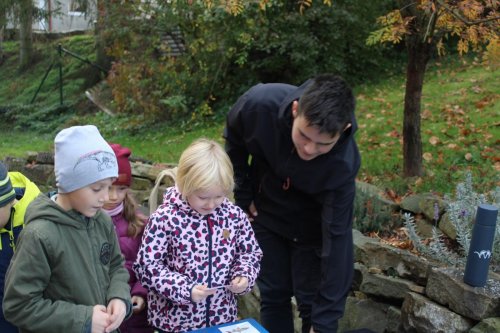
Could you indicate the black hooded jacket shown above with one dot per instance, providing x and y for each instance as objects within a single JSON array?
[{"x": 304, "y": 201}]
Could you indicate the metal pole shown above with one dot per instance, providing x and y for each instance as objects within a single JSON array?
[
  {"x": 59, "y": 49},
  {"x": 84, "y": 60},
  {"x": 43, "y": 80}
]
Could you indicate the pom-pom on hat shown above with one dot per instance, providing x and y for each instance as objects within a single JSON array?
[
  {"x": 7, "y": 193},
  {"x": 124, "y": 169},
  {"x": 82, "y": 157}
]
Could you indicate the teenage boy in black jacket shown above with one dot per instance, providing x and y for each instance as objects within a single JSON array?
[{"x": 298, "y": 187}]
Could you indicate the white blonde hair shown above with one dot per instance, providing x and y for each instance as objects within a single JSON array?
[{"x": 202, "y": 165}]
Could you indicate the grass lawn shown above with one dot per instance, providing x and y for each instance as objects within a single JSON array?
[
  {"x": 460, "y": 122},
  {"x": 460, "y": 128}
]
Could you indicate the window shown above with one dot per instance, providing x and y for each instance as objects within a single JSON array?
[{"x": 77, "y": 8}]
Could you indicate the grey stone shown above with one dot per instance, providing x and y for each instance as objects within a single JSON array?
[
  {"x": 432, "y": 206},
  {"x": 394, "y": 324},
  {"x": 141, "y": 184},
  {"x": 488, "y": 325},
  {"x": 363, "y": 313},
  {"x": 446, "y": 286},
  {"x": 424, "y": 228},
  {"x": 151, "y": 171},
  {"x": 420, "y": 314},
  {"x": 45, "y": 158},
  {"x": 447, "y": 227},
  {"x": 391, "y": 260},
  {"x": 386, "y": 286},
  {"x": 411, "y": 204},
  {"x": 372, "y": 210}
]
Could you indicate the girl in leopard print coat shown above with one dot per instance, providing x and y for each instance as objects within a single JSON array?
[{"x": 198, "y": 250}]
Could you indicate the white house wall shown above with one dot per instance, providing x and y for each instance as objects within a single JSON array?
[
  {"x": 64, "y": 21},
  {"x": 67, "y": 20}
]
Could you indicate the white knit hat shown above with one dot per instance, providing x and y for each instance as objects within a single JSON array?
[{"x": 82, "y": 157}]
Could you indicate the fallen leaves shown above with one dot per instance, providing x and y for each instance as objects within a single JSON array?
[
  {"x": 398, "y": 238},
  {"x": 433, "y": 140},
  {"x": 391, "y": 194}
]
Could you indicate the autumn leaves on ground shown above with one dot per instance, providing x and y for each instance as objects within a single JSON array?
[{"x": 460, "y": 129}]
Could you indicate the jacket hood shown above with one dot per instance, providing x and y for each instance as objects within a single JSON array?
[
  {"x": 286, "y": 119},
  {"x": 29, "y": 192},
  {"x": 44, "y": 208},
  {"x": 172, "y": 196}
]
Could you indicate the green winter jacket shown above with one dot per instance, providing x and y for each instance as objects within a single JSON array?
[{"x": 64, "y": 264}]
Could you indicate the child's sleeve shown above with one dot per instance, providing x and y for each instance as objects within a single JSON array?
[
  {"x": 118, "y": 275},
  {"x": 248, "y": 252},
  {"x": 151, "y": 265},
  {"x": 137, "y": 288},
  {"x": 28, "y": 275}
]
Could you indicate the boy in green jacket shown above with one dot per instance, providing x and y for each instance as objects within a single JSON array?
[{"x": 67, "y": 274}]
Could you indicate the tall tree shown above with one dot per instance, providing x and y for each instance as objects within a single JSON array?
[
  {"x": 25, "y": 8},
  {"x": 6, "y": 8},
  {"x": 424, "y": 25},
  {"x": 3, "y": 23},
  {"x": 102, "y": 43}
]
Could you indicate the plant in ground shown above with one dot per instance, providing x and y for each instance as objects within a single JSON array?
[{"x": 461, "y": 213}]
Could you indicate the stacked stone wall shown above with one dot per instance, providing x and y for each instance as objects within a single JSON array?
[{"x": 393, "y": 291}]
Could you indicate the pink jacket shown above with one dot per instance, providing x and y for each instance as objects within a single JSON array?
[
  {"x": 182, "y": 248},
  {"x": 129, "y": 246}
]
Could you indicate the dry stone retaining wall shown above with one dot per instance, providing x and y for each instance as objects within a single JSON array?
[{"x": 393, "y": 291}]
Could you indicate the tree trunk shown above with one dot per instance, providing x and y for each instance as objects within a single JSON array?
[
  {"x": 3, "y": 22},
  {"x": 102, "y": 59},
  {"x": 418, "y": 56},
  {"x": 1, "y": 44},
  {"x": 419, "y": 44},
  {"x": 26, "y": 33}
]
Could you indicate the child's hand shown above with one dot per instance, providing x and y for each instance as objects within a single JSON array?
[
  {"x": 200, "y": 292},
  {"x": 138, "y": 304},
  {"x": 100, "y": 319},
  {"x": 252, "y": 212},
  {"x": 116, "y": 311},
  {"x": 238, "y": 285}
]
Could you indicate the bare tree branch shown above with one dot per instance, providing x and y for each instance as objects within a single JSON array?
[{"x": 463, "y": 19}]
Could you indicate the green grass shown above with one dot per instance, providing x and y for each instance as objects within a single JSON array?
[
  {"x": 460, "y": 121},
  {"x": 20, "y": 87},
  {"x": 460, "y": 128}
]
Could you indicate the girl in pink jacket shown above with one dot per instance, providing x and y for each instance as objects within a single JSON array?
[
  {"x": 129, "y": 226},
  {"x": 198, "y": 249}
]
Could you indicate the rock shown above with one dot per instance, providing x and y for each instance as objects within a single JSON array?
[
  {"x": 386, "y": 286},
  {"x": 391, "y": 260},
  {"x": 363, "y": 313},
  {"x": 420, "y": 314},
  {"x": 411, "y": 204},
  {"x": 394, "y": 324},
  {"x": 447, "y": 227},
  {"x": 45, "y": 158},
  {"x": 141, "y": 184},
  {"x": 446, "y": 286},
  {"x": 372, "y": 210},
  {"x": 432, "y": 207},
  {"x": 488, "y": 325}
]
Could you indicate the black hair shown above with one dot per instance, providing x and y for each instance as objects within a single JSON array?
[{"x": 327, "y": 103}]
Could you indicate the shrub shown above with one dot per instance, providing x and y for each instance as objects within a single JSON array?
[
  {"x": 461, "y": 212},
  {"x": 224, "y": 54}
]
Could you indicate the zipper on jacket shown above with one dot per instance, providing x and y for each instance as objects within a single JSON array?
[{"x": 207, "y": 307}]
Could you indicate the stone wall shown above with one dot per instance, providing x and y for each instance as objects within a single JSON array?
[
  {"x": 393, "y": 291},
  {"x": 396, "y": 291}
]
